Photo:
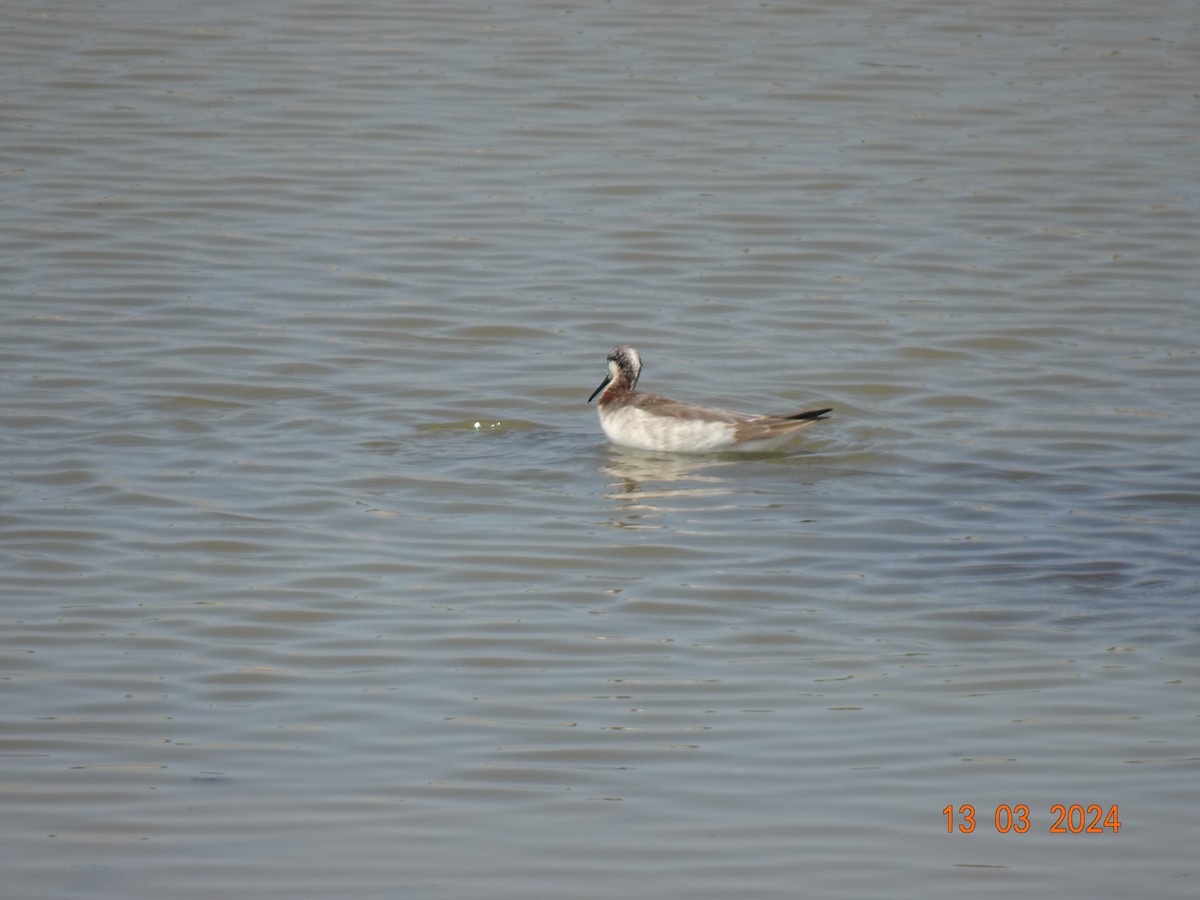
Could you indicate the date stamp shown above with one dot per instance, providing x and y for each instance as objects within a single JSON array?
[{"x": 1073, "y": 818}]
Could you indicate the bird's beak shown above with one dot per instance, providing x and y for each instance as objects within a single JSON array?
[{"x": 603, "y": 385}]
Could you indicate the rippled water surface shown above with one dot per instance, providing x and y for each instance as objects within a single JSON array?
[{"x": 319, "y": 579}]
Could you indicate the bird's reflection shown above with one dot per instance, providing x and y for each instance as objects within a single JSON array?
[{"x": 643, "y": 485}]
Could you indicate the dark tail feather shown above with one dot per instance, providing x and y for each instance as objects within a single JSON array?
[{"x": 810, "y": 414}]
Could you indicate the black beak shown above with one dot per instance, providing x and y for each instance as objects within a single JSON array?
[{"x": 603, "y": 385}]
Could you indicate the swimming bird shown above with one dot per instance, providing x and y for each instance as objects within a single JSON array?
[{"x": 643, "y": 421}]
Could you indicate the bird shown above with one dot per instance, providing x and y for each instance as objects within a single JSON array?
[{"x": 644, "y": 421}]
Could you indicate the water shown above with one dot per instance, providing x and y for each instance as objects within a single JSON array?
[{"x": 319, "y": 579}]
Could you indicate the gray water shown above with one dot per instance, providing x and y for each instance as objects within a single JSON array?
[{"x": 319, "y": 579}]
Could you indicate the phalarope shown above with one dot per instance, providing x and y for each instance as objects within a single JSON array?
[{"x": 650, "y": 422}]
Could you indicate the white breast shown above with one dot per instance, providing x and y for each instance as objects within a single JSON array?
[{"x": 641, "y": 430}]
